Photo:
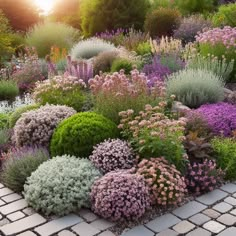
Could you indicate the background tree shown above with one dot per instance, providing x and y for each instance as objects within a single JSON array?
[{"x": 22, "y": 14}]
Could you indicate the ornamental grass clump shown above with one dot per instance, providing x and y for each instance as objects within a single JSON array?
[
  {"x": 78, "y": 134},
  {"x": 61, "y": 185},
  {"x": 36, "y": 127},
  {"x": 61, "y": 90},
  {"x": 221, "y": 118},
  {"x": 203, "y": 177},
  {"x": 117, "y": 92},
  {"x": 19, "y": 164},
  {"x": 154, "y": 134},
  {"x": 195, "y": 87},
  {"x": 113, "y": 154},
  {"x": 166, "y": 185},
  {"x": 120, "y": 195}
]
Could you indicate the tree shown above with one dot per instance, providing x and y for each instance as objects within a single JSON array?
[
  {"x": 101, "y": 15},
  {"x": 22, "y": 14}
]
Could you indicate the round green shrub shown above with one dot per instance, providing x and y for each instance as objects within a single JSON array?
[
  {"x": 14, "y": 117},
  {"x": 162, "y": 22},
  {"x": 61, "y": 185},
  {"x": 8, "y": 90},
  {"x": 78, "y": 134},
  {"x": 195, "y": 87},
  {"x": 122, "y": 64},
  {"x": 19, "y": 165},
  {"x": 3, "y": 120}
]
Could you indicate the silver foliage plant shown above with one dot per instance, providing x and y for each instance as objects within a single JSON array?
[
  {"x": 61, "y": 185},
  {"x": 36, "y": 127}
]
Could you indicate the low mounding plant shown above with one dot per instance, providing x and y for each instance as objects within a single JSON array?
[
  {"x": 69, "y": 91},
  {"x": 8, "y": 90},
  {"x": 61, "y": 185},
  {"x": 221, "y": 117},
  {"x": 167, "y": 186},
  {"x": 162, "y": 22},
  {"x": 195, "y": 87},
  {"x": 117, "y": 92},
  {"x": 36, "y": 127},
  {"x": 190, "y": 26},
  {"x": 225, "y": 151},
  {"x": 4, "y": 120},
  {"x": 14, "y": 117},
  {"x": 78, "y": 134},
  {"x": 45, "y": 35},
  {"x": 19, "y": 164},
  {"x": 89, "y": 48},
  {"x": 122, "y": 64},
  {"x": 113, "y": 154},
  {"x": 152, "y": 134},
  {"x": 203, "y": 177},
  {"x": 120, "y": 195},
  {"x": 5, "y": 140}
]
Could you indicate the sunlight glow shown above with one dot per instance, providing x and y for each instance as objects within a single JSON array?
[{"x": 45, "y": 5}]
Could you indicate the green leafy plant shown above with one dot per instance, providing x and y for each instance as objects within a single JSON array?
[
  {"x": 195, "y": 87},
  {"x": 225, "y": 151},
  {"x": 5, "y": 140},
  {"x": 19, "y": 164},
  {"x": 8, "y": 89},
  {"x": 143, "y": 48},
  {"x": 61, "y": 185},
  {"x": 4, "y": 120},
  {"x": 78, "y": 134},
  {"x": 122, "y": 64}
]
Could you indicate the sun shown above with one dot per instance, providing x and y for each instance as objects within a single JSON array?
[{"x": 45, "y": 5}]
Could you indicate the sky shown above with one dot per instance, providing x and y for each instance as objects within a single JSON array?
[{"x": 45, "y": 5}]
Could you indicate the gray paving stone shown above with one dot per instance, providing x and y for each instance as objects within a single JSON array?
[
  {"x": 199, "y": 232},
  {"x": 138, "y": 231},
  {"x": 168, "y": 232},
  {"x": 233, "y": 212},
  {"x": 2, "y": 203},
  {"x": 14, "y": 206},
  {"x": 27, "y": 233},
  {"x": 29, "y": 211},
  {"x": 222, "y": 207},
  {"x": 16, "y": 216},
  {"x": 230, "y": 200},
  {"x": 163, "y": 222},
  {"x": 107, "y": 233},
  {"x": 102, "y": 224},
  {"x": 227, "y": 219},
  {"x": 85, "y": 229},
  {"x": 66, "y": 233},
  {"x": 230, "y": 188},
  {"x": 213, "y": 226},
  {"x": 183, "y": 227},
  {"x": 1, "y": 186},
  {"x": 228, "y": 232},
  {"x": 4, "y": 222},
  {"x": 189, "y": 209},
  {"x": 5, "y": 191},
  {"x": 57, "y": 225},
  {"x": 12, "y": 197},
  {"x": 211, "y": 213},
  {"x": 199, "y": 219},
  {"x": 23, "y": 224},
  {"x": 212, "y": 197},
  {"x": 88, "y": 215}
]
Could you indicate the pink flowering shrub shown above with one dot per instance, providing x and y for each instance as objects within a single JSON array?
[
  {"x": 167, "y": 186},
  {"x": 203, "y": 177},
  {"x": 69, "y": 91},
  {"x": 154, "y": 134},
  {"x": 120, "y": 195},
  {"x": 36, "y": 127},
  {"x": 117, "y": 92},
  {"x": 113, "y": 154}
]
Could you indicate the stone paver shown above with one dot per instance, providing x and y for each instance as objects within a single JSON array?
[
  {"x": 168, "y": 232},
  {"x": 2, "y": 203},
  {"x": 230, "y": 200},
  {"x": 199, "y": 219},
  {"x": 66, "y": 233},
  {"x": 5, "y": 191},
  {"x": 27, "y": 233},
  {"x": 22, "y": 225},
  {"x": 16, "y": 216},
  {"x": 139, "y": 231},
  {"x": 228, "y": 232},
  {"x": 222, "y": 207},
  {"x": 189, "y": 209},
  {"x": 106, "y": 233},
  {"x": 211, "y": 213},
  {"x": 212, "y": 197},
  {"x": 102, "y": 224},
  {"x": 14, "y": 206},
  {"x": 12, "y": 197},
  {"x": 29, "y": 211},
  {"x": 199, "y": 232},
  {"x": 163, "y": 222},
  {"x": 230, "y": 188},
  {"x": 227, "y": 219},
  {"x": 85, "y": 229},
  {"x": 214, "y": 226},
  {"x": 183, "y": 227},
  {"x": 57, "y": 225}
]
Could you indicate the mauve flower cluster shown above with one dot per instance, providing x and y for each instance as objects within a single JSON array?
[
  {"x": 167, "y": 186},
  {"x": 221, "y": 117},
  {"x": 225, "y": 36},
  {"x": 113, "y": 154},
  {"x": 203, "y": 177},
  {"x": 36, "y": 127},
  {"x": 120, "y": 195}
]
